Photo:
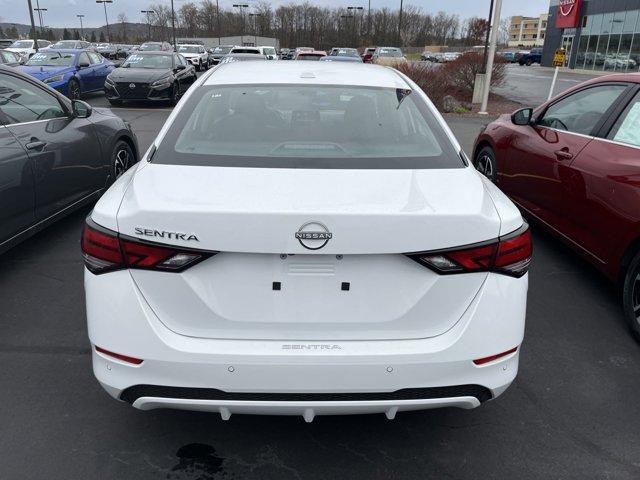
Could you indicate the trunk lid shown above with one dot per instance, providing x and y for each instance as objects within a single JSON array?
[{"x": 357, "y": 286}]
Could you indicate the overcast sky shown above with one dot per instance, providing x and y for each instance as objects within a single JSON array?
[{"x": 61, "y": 13}]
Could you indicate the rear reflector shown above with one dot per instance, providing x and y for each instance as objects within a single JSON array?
[
  {"x": 509, "y": 255},
  {"x": 105, "y": 251},
  {"x": 119, "y": 356},
  {"x": 482, "y": 361}
]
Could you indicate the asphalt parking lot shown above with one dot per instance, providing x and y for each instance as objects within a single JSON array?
[{"x": 573, "y": 411}]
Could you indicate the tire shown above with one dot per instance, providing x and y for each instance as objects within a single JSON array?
[
  {"x": 73, "y": 89},
  {"x": 631, "y": 296},
  {"x": 529, "y": 62},
  {"x": 175, "y": 94},
  {"x": 485, "y": 163},
  {"x": 122, "y": 158}
]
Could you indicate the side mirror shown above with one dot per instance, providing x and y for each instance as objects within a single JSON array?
[
  {"x": 80, "y": 109},
  {"x": 83, "y": 64},
  {"x": 180, "y": 67},
  {"x": 524, "y": 116}
]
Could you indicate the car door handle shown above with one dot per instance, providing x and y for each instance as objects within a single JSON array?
[
  {"x": 563, "y": 155},
  {"x": 35, "y": 145}
]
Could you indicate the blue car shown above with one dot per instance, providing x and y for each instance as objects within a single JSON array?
[{"x": 71, "y": 72}]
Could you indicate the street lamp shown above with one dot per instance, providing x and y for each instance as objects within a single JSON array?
[
  {"x": 104, "y": 4},
  {"x": 255, "y": 27},
  {"x": 33, "y": 26},
  {"x": 81, "y": 27},
  {"x": 400, "y": 26},
  {"x": 148, "y": 13},
  {"x": 241, "y": 6},
  {"x": 173, "y": 27},
  {"x": 355, "y": 12}
]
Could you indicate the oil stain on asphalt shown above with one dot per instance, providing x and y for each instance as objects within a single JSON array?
[{"x": 197, "y": 461}]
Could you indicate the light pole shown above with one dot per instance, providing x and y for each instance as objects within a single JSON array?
[
  {"x": 355, "y": 12},
  {"x": 81, "y": 26},
  {"x": 148, "y": 13},
  {"x": 400, "y": 26},
  {"x": 39, "y": 10},
  {"x": 33, "y": 27},
  {"x": 486, "y": 42},
  {"x": 492, "y": 53},
  {"x": 173, "y": 27},
  {"x": 255, "y": 27},
  {"x": 241, "y": 6},
  {"x": 218, "y": 20},
  {"x": 104, "y": 4}
]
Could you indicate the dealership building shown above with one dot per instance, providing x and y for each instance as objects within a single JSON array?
[{"x": 601, "y": 35}]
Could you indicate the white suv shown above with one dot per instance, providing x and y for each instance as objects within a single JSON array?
[
  {"x": 196, "y": 55},
  {"x": 305, "y": 239}
]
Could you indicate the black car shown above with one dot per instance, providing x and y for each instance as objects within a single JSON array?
[
  {"x": 57, "y": 155},
  {"x": 10, "y": 59},
  {"x": 150, "y": 76}
]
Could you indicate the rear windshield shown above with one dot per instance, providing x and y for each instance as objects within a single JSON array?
[
  {"x": 51, "y": 59},
  {"x": 306, "y": 126}
]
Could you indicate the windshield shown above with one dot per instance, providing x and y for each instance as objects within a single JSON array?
[
  {"x": 22, "y": 44},
  {"x": 187, "y": 49},
  {"x": 389, "y": 52},
  {"x": 148, "y": 61},
  {"x": 51, "y": 59},
  {"x": 222, "y": 49},
  {"x": 151, "y": 46},
  {"x": 246, "y": 50},
  {"x": 310, "y": 56},
  {"x": 306, "y": 126},
  {"x": 345, "y": 52},
  {"x": 64, "y": 44},
  {"x": 270, "y": 51}
]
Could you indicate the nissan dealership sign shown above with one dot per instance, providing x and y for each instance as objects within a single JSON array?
[{"x": 568, "y": 14}]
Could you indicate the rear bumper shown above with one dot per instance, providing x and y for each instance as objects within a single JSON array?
[{"x": 288, "y": 378}]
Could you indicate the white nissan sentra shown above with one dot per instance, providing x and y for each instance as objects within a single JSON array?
[{"x": 305, "y": 238}]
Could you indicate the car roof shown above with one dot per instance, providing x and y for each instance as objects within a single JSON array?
[
  {"x": 190, "y": 45},
  {"x": 69, "y": 50},
  {"x": 306, "y": 73}
]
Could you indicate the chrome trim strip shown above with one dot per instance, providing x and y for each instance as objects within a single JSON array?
[
  {"x": 9, "y": 125},
  {"x": 615, "y": 142}
]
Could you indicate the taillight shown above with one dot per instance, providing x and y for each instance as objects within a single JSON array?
[
  {"x": 509, "y": 255},
  {"x": 105, "y": 251}
]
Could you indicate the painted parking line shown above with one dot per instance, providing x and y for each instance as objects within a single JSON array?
[{"x": 543, "y": 77}]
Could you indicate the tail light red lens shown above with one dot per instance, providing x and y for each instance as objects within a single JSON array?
[
  {"x": 509, "y": 255},
  {"x": 105, "y": 251}
]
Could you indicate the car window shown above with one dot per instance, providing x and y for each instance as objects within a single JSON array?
[
  {"x": 181, "y": 60},
  {"x": 21, "y": 101},
  {"x": 95, "y": 57},
  {"x": 581, "y": 111},
  {"x": 627, "y": 127},
  {"x": 84, "y": 58},
  {"x": 306, "y": 126}
]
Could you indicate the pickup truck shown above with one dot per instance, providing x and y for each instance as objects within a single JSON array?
[{"x": 534, "y": 56}]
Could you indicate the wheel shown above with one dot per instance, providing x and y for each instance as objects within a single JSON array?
[
  {"x": 175, "y": 94},
  {"x": 122, "y": 158},
  {"x": 485, "y": 163},
  {"x": 115, "y": 102},
  {"x": 529, "y": 62},
  {"x": 631, "y": 296},
  {"x": 74, "y": 89}
]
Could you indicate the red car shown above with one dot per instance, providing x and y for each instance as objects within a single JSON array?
[
  {"x": 367, "y": 55},
  {"x": 573, "y": 165}
]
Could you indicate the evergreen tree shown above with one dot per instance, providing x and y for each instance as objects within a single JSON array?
[
  {"x": 76, "y": 35},
  {"x": 66, "y": 35},
  {"x": 93, "y": 37},
  {"x": 2, "y": 33},
  {"x": 102, "y": 39}
]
